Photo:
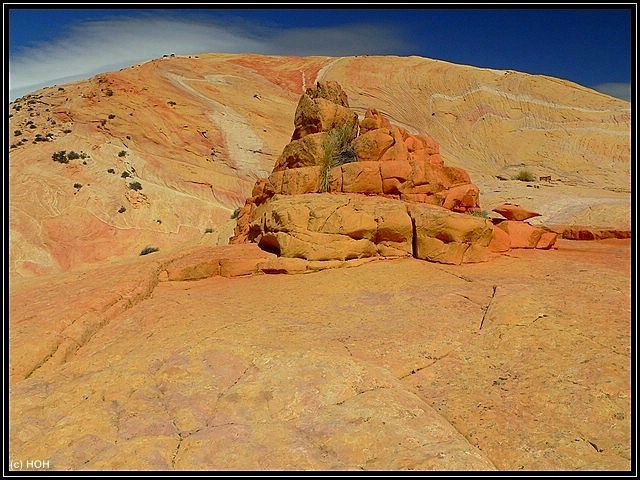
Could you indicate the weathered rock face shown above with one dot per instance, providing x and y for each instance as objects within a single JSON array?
[
  {"x": 332, "y": 152},
  {"x": 450, "y": 238},
  {"x": 199, "y": 130},
  {"x": 511, "y": 211},
  {"x": 394, "y": 365},
  {"x": 333, "y": 227},
  {"x": 402, "y": 176}
]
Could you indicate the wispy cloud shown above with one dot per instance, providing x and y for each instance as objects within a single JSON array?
[
  {"x": 92, "y": 47},
  {"x": 618, "y": 90}
]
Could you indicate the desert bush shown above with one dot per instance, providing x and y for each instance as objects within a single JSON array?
[
  {"x": 122, "y": 210},
  {"x": 235, "y": 213},
  {"x": 125, "y": 174},
  {"x": 209, "y": 230},
  {"x": 66, "y": 130},
  {"x": 147, "y": 250},
  {"x": 525, "y": 176},
  {"x": 73, "y": 155},
  {"x": 17, "y": 133},
  {"x": 172, "y": 103},
  {"x": 479, "y": 213},
  {"x": 60, "y": 156},
  {"x": 77, "y": 185},
  {"x": 338, "y": 150},
  {"x": 111, "y": 116},
  {"x": 111, "y": 170},
  {"x": 135, "y": 186},
  {"x": 109, "y": 92},
  {"x": 122, "y": 153}
]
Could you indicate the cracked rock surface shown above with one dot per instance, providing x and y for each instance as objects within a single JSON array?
[{"x": 519, "y": 364}]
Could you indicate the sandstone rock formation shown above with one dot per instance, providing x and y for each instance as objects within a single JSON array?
[
  {"x": 514, "y": 212},
  {"x": 387, "y": 194},
  {"x": 196, "y": 132},
  {"x": 515, "y": 364},
  {"x": 190, "y": 358}
]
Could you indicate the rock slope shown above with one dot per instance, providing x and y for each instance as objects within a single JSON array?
[{"x": 196, "y": 132}]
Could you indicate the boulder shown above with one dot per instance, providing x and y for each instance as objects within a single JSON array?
[
  {"x": 512, "y": 211},
  {"x": 329, "y": 90},
  {"x": 322, "y": 109},
  {"x": 373, "y": 120},
  {"x": 333, "y": 227},
  {"x": 447, "y": 237},
  {"x": 370, "y": 146},
  {"x": 524, "y": 235},
  {"x": 304, "y": 152}
]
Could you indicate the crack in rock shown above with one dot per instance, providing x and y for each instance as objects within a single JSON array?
[{"x": 416, "y": 370}]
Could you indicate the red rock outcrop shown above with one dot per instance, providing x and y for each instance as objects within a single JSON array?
[
  {"x": 511, "y": 211},
  {"x": 396, "y": 197},
  {"x": 331, "y": 151}
]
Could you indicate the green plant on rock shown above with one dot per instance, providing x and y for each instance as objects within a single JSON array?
[
  {"x": 525, "y": 176},
  {"x": 235, "y": 213},
  {"x": 479, "y": 213},
  {"x": 337, "y": 150}
]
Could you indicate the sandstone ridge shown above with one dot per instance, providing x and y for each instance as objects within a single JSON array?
[{"x": 196, "y": 131}]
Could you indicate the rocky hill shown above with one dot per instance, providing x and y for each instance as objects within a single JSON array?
[
  {"x": 168, "y": 150},
  {"x": 471, "y": 335}
]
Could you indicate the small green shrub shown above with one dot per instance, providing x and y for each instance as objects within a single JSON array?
[
  {"x": 111, "y": 116},
  {"x": 60, "y": 157},
  {"x": 479, "y": 213},
  {"x": 73, "y": 155},
  {"x": 172, "y": 103},
  {"x": 147, "y": 250},
  {"x": 111, "y": 170},
  {"x": 66, "y": 130},
  {"x": 338, "y": 150},
  {"x": 135, "y": 186},
  {"x": 17, "y": 133},
  {"x": 235, "y": 213},
  {"x": 122, "y": 210},
  {"x": 60, "y": 89},
  {"x": 209, "y": 230},
  {"x": 77, "y": 185},
  {"x": 103, "y": 122},
  {"x": 525, "y": 176},
  {"x": 109, "y": 92},
  {"x": 122, "y": 153},
  {"x": 125, "y": 174}
]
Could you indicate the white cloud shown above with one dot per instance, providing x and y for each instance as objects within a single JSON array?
[
  {"x": 92, "y": 47},
  {"x": 618, "y": 90}
]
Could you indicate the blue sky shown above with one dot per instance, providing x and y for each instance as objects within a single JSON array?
[{"x": 587, "y": 45}]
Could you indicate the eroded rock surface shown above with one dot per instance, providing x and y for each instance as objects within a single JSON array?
[{"x": 394, "y": 365}]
